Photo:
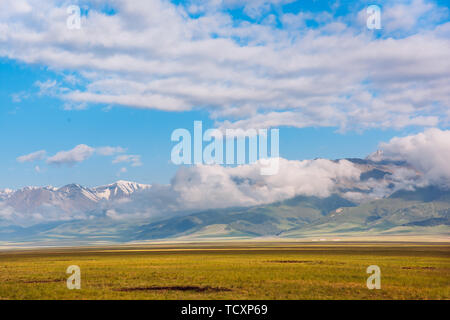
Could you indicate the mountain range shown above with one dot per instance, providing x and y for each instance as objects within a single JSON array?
[
  {"x": 69, "y": 198},
  {"x": 75, "y": 213},
  {"x": 404, "y": 212}
]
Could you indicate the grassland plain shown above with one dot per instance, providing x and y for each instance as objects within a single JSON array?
[{"x": 230, "y": 271}]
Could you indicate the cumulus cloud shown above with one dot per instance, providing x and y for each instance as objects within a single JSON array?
[
  {"x": 192, "y": 188},
  {"x": 335, "y": 74},
  {"x": 407, "y": 15},
  {"x": 38, "y": 155},
  {"x": 212, "y": 186},
  {"x": 245, "y": 186},
  {"x": 428, "y": 152},
  {"x": 78, "y": 154}
]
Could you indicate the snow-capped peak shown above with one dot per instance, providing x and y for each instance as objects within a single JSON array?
[
  {"x": 119, "y": 189},
  {"x": 5, "y": 193}
]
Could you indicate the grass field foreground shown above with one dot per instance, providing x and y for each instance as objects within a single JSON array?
[{"x": 224, "y": 271}]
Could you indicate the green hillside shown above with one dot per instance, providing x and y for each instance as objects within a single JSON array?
[
  {"x": 405, "y": 211},
  {"x": 423, "y": 211},
  {"x": 266, "y": 220}
]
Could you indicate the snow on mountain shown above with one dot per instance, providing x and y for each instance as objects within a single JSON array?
[
  {"x": 74, "y": 191},
  {"x": 357, "y": 180},
  {"x": 5, "y": 193},
  {"x": 119, "y": 189},
  {"x": 69, "y": 200}
]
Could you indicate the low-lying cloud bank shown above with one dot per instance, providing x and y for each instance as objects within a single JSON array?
[
  {"x": 403, "y": 163},
  {"x": 216, "y": 186},
  {"x": 428, "y": 152}
]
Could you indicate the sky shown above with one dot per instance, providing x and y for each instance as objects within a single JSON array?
[{"x": 97, "y": 104}]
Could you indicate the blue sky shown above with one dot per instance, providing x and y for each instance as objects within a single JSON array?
[{"x": 54, "y": 95}]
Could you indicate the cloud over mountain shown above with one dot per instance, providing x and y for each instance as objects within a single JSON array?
[
  {"x": 195, "y": 188},
  {"x": 264, "y": 67},
  {"x": 244, "y": 185},
  {"x": 403, "y": 163},
  {"x": 428, "y": 152}
]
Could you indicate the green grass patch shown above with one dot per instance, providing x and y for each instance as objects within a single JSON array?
[{"x": 238, "y": 271}]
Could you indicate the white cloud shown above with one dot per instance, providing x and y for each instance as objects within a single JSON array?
[
  {"x": 335, "y": 75},
  {"x": 212, "y": 186},
  {"x": 135, "y": 160},
  {"x": 78, "y": 154},
  {"x": 245, "y": 186},
  {"x": 68, "y": 106},
  {"x": 38, "y": 155},
  {"x": 203, "y": 187},
  {"x": 197, "y": 188},
  {"x": 109, "y": 151},
  {"x": 48, "y": 87},
  {"x": 407, "y": 15},
  {"x": 428, "y": 152}
]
